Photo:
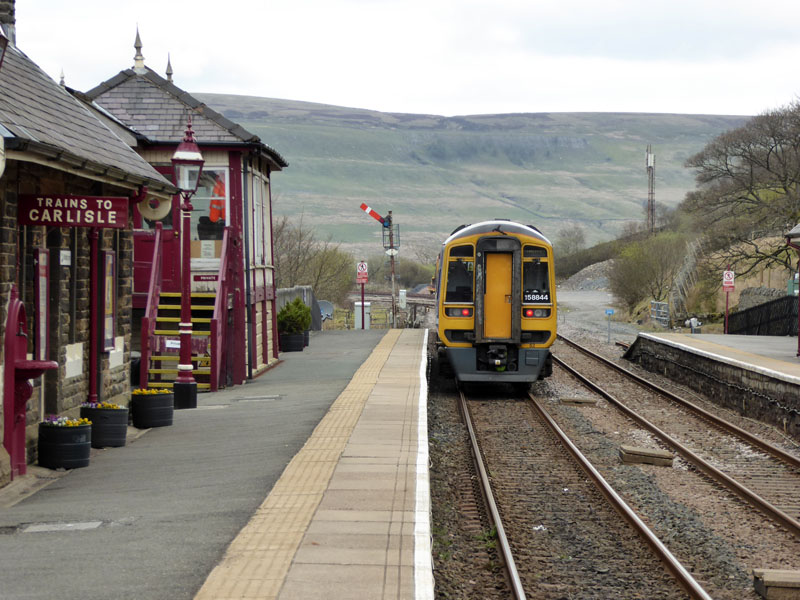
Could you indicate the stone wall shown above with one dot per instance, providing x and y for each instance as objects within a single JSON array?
[
  {"x": 756, "y": 296},
  {"x": 748, "y": 392}
]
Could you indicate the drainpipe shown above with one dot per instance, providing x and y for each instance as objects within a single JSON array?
[
  {"x": 274, "y": 301},
  {"x": 93, "y": 316},
  {"x": 249, "y": 304}
]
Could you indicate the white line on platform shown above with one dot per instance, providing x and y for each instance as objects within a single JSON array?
[{"x": 423, "y": 557}]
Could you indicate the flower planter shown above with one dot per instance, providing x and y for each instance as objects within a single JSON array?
[
  {"x": 109, "y": 426},
  {"x": 152, "y": 410},
  {"x": 64, "y": 447},
  {"x": 291, "y": 342}
]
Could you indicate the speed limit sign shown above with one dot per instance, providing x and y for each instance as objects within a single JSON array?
[{"x": 727, "y": 281}]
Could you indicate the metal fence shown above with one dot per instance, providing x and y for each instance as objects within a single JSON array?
[
  {"x": 659, "y": 312},
  {"x": 777, "y": 317}
]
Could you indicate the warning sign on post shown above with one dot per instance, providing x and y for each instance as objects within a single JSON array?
[
  {"x": 361, "y": 273},
  {"x": 727, "y": 281}
]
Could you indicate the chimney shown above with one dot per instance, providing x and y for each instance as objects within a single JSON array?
[{"x": 7, "y": 20}]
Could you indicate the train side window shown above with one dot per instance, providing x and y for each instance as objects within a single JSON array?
[
  {"x": 535, "y": 281},
  {"x": 459, "y": 280}
]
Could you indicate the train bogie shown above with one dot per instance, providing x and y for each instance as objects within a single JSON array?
[{"x": 496, "y": 306}]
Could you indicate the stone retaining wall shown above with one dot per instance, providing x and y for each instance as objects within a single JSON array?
[{"x": 753, "y": 394}]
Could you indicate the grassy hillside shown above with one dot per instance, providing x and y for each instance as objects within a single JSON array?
[{"x": 435, "y": 172}]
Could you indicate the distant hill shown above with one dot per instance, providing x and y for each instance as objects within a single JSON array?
[{"x": 435, "y": 173}]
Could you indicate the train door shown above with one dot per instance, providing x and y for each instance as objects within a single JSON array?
[{"x": 498, "y": 296}]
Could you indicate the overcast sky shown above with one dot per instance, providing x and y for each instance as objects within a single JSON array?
[{"x": 445, "y": 57}]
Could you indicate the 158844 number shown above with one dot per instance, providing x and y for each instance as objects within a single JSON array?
[{"x": 535, "y": 296}]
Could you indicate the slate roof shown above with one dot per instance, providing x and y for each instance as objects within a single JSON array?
[
  {"x": 157, "y": 109},
  {"x": 40, "y": 117}
]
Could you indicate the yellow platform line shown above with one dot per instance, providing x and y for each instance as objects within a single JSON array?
[{"x": 258, "y": 559}]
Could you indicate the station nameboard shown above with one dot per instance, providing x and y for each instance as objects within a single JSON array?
[{"x": 73, "y": 211}]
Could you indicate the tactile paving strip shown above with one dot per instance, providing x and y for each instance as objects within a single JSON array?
[{"x": 258, "y": 559}]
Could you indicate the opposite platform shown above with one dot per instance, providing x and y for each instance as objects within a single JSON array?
[
  {"x": 349, "y": 517},
  {"x": 758, "y": 376}
]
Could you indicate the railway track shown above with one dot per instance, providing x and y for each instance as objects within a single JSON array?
[
  {"x": 763, "y": 475},
  {"x": 557, "y": 521}
]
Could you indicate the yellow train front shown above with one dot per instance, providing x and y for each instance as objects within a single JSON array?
[{"x": 496, "y": 304}]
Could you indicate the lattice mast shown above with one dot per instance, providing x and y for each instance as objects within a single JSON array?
[{"x": 650, "y": 163}]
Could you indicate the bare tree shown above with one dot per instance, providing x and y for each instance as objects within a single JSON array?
[
  {"x": 647, "y": 269},
  {"x": 749, "y": 189},
  {"x": 569, "y": 240},
  {"x": 301, "y": 259}
]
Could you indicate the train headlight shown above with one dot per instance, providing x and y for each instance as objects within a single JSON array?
[
  {"x": 458, "y": 312},
  {"x": 535, "y": 313}
]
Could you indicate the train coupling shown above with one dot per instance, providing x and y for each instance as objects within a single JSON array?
[{"x": 497, "y": 356}]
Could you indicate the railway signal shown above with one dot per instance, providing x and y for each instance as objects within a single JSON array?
[
  {"x": 385, "y": 221},
  {"x": 387, "y": 224}
]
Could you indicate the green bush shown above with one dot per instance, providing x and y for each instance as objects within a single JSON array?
[{"x": 294, "y": 317}]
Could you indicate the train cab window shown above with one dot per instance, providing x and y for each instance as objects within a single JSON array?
[
  {"x": 535, "y": 276},
  {"x": 534, "y": 252},
  {"x": 466, "y": 251},
  {"x": 460, "y": 274}
]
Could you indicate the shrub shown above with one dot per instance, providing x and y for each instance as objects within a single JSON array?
[{"x": 294, "y": 317}]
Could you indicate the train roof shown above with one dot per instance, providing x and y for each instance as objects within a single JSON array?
[{"x": 497, "y": 226}]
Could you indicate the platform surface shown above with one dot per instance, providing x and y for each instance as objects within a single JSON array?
[
  {"x": 310, "y": 481},
  {"x": 349, "y": 517}
]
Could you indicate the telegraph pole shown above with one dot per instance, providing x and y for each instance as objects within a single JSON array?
[{"x": 650, "y": 163}]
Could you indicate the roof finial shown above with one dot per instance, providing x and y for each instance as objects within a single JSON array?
[
  {"x": 138, "y": 60},
  {"x": 169, "y": 69},
  {"x": 62, "y": 83}
]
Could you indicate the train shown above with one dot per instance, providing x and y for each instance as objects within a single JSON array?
[{"x": 496, "y": 312}]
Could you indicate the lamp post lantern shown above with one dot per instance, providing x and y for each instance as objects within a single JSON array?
[{"x": 188, "y": 165}]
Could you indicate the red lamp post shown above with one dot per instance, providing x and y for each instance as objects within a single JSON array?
[
  {"x": 188, "y": 165},
  {"x": 791, "y": 240}
]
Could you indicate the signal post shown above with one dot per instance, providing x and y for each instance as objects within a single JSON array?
[{"x": 391, "y": 250}]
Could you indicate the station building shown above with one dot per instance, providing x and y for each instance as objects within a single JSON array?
[
  {"x": 234, "y": 338},
  {"x": 90, "y": 268},
  {"x": 68, "y": 186}
]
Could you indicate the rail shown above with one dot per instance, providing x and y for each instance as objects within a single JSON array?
[
  {"x": 777, "y": 515},
  {"x": 684, "y": 578},
  {"x": 219, "y": 320},
  {"x": 494, "y": 513},
  {"x": 721, "y": 423},
  {"x": 151, "y": 309}
]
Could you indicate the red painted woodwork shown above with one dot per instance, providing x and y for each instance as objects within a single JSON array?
[
  {"x": 18, "y": 369},
  {"x": 143, "y": 251},
  {"x": 151, "y": 309}
]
